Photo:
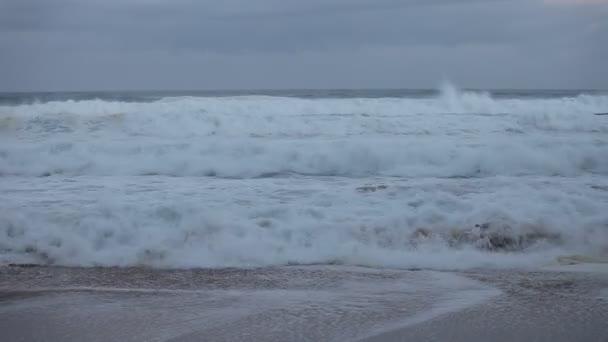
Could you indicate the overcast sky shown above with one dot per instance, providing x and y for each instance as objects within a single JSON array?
[{"x": 253, "y": 44}]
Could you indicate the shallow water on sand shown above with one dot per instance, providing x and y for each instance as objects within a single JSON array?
[
  {"x": 297, "y": 303},
  {"x": 312, "y": 303}
]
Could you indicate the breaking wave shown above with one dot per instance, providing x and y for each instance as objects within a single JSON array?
[
  {"x": 454, "y": 181},
  {"x": 458, "y": 134},
  {"x": 166, "y": 222},
  {"x": 263, "y": 116},
  {"x": 246, "y": 158}
]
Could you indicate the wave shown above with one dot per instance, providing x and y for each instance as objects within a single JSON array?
[
  {"x": 459, "y": 180},
  {"x": 453, "y": 112},
  {"x": 178, "y": 223},
  {"x": 457, "y": 134},
  {"x": 250, "y": 158}
]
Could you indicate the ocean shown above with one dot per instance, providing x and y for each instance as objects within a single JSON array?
[{"x": 444, "y": 179}]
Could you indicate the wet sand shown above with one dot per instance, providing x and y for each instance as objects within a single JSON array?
[
  {"x": 301, "y": 303},
  {"x": 532, "y": 307}
]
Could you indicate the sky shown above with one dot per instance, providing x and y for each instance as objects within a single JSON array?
[{"x": 56, "y": 45}]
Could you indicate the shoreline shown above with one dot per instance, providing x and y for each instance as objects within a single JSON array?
[
  {"x": 553, "y": 305},
  {"x": 302, "y": 303}
]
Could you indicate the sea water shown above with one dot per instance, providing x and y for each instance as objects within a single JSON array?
[{"x": 448, "y": 179}]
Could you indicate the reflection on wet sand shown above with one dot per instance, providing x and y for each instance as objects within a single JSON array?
[{"x": 304, "y": 303}]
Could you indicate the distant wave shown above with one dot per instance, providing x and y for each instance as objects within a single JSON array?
[
  {"x": 251, "y": 158},
  {"x": 457, "y": 134},
  {"x": 453, "y": 112}
]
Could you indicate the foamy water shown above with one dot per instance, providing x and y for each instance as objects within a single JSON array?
[{"x": 456, "y": 180}]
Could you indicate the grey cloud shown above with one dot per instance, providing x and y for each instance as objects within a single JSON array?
[{"x": 289, "y": 43}]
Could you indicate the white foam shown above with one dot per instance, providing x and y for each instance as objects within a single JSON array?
[
  {"x": 462, "y": 113},
  {"x": 356, "y": 157},
  {"x": 458, "y": 134},
  {"x": 260, "y": 180},
  {"x": 191, "y": 222}
]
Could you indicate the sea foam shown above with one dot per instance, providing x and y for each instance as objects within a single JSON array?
[{"x": 459, "y": 180}]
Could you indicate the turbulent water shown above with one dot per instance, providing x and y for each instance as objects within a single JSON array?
[{"x": 448, "y": 179}]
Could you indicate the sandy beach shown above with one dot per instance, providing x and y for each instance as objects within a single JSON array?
[{"x": 301, "y": 303}]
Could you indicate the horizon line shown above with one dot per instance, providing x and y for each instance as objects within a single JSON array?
[{"x": 290, "y": 89}]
